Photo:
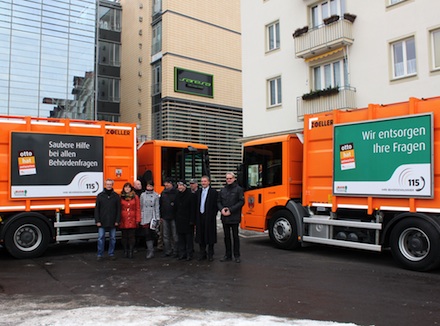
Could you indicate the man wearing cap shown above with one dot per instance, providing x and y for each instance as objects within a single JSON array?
[
  {"x": 194, "y": 186},
  {"x": 206, "y": 219},
  {"x": 167, "y": 215}
]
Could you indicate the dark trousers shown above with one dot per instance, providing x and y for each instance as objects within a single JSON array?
[
  {"x": 186, "y": 244},
  {"x": 128, "y": 238},
  {"x": 204, "y": 252},
  {"x": 227, "y": 229},
  {"x": 203, "y": 236}
]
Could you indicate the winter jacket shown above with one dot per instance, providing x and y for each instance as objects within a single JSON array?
[
  {"x": 149, "y": 207},
  {"x": 231, "y": 196},
  {"x": 166, "y": 204},
  {"x": 130, "y": 212},
  {"x": 185, "y": 213},
  {"x": 108, "y": 209},
  {"x": 209, "y": 232}
]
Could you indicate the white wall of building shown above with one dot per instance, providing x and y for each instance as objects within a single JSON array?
[{"x": 370, "y": 65}]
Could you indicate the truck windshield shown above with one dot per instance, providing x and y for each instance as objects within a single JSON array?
[
  {"x": 262, "y": 166},
  {"x": 184, "y": 163}
]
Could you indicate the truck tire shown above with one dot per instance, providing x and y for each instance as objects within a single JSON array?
[
  {"x": 27, "y": 237},
  {"x": 283, "y": 231},
  {"x": 415, "y": 244}
]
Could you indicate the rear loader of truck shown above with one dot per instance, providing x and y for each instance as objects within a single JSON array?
[
  {"x": 50, "y": 173},
  {"x": 370, "y": 181}
]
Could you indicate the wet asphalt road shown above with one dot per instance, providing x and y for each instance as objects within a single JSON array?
[{"x": 318, "y": 283}]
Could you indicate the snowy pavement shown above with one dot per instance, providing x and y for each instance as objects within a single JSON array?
[{"x": 30, "y": 314}]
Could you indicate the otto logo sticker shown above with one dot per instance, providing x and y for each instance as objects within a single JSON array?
[
  {"x": 346, "y": 152},
  {"x": 26, "y": 163}
]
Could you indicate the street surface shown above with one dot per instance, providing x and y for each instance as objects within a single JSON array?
[{"x": 315, "y": 283}]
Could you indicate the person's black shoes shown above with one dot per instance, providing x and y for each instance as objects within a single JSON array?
[{"x": 226, "y": 258}]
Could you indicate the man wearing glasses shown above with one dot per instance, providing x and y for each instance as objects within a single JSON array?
[{"x": 230, "y": 201}]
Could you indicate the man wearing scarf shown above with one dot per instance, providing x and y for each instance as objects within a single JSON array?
[{"x": 107, "y": 218}]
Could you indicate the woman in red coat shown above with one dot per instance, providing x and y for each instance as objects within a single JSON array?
[{"x": 130, "y": 218}]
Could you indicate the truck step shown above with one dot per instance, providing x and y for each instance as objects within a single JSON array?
[
  {"x": 343, "y": 243},
  {"x": 325, "y": 220}
]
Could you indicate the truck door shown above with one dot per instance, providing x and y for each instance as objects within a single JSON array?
[{"x": 262, "y": 174}]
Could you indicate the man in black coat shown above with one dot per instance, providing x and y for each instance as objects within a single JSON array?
[
  {"x": 229, "y": 203},
  {"x": 206, "y": 219},
  {"x": 185, "y": 203},
  {"x": 107, "y": 217}
]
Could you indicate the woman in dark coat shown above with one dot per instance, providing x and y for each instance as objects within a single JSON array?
[
  {"x": 184, "y": 204},
  {"x": 206, "y": 219}
]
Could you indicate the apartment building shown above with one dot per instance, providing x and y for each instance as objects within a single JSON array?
[
  {"x": 310, "y": 56},
  {"x": 181, "y": 74}
]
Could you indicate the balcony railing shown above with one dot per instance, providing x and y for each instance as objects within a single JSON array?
[
  {"x": 324, "y": 37},
  {"x": 344, "y": 99}
]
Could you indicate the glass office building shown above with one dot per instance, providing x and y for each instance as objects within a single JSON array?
[{"x": 47, "y": 58}]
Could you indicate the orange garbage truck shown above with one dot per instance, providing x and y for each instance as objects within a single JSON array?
[
  {"x": 52, "y": 169},
  {"x": 367, "y": 179}
]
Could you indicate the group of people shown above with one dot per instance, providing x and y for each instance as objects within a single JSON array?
[{"x": 179, "y": 216}]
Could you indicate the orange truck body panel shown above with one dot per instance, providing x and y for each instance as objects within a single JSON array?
[
  {"x": 150, "y": 158},
  {"x": 318, "y": 158},
  {"x": 116, "y": 142}
]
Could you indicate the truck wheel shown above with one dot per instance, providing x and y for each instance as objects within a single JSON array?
[
  {"x": 415, "y": 244},
  {"x": 27, "y": 237},
  {"x": 283, "y": 230}
]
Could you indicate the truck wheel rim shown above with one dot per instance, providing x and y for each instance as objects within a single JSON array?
[
  {"x": 414, "y": 244},
  {"x": 28, "y": 237},
  {"x": 282, "y": 230}
]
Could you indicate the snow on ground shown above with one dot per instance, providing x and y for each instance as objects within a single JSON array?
[{"x": 39, "y": 315}]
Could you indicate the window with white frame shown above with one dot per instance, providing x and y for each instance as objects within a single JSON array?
[
  {"x": 325, "y": 9},
  {"x": 435, "y": 37},
  {"x": 404, "y": 58},
  {"x": 330, "y": 74},
  {"x": 274, "y": 90},
  {"x": 392, "y": 2},
  {"x": 273, "y": 36},
  {"x": 157, "y": 38}
]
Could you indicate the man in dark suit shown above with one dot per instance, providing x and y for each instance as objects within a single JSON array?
[{"x": 206, "y": 219}]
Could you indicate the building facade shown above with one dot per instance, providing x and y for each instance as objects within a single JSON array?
[
  {"x": 181, "y": 74},
  {"x": 311, "y": 56},
  {"x": 49, "y": 58}
]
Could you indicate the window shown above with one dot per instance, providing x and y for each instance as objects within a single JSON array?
[
  {"x": 392, "y": 2},
  {"x": 404, "y": 58},
  {"x": 274, "y": 86},
  {"x": 109, "y": 54},
  {"x": 326, "y": 9},
  {"x": 435, "y": 36},
  {"x": 273, "y": 36},
  {"x": 157, "y": 7},
  {"x": 109, "y": 19},
  {"x": 157, "y": 38},
  {"x": 157, "y": 78},
  {"x": 108, "y": 89},
  {"x": 332, "y": 74},
  {"x": 263, "y": 166}
]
